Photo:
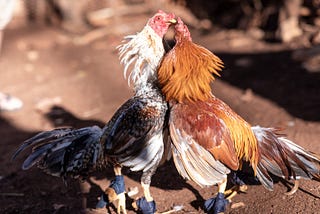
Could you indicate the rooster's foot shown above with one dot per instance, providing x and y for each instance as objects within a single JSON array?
[
  {"x": 239, "y": 186},
  {"x": 233, "y": 191},
  {"x": 216, "y": 205},
  {"x": 294, "y": 188},
  {"x": 115, "y": 192},
  {"x": 144, "y": 206}
]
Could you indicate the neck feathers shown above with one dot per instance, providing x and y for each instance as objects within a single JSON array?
[
  {"x": 186, "y": 72},
  {"x": 141, "y": 55}
]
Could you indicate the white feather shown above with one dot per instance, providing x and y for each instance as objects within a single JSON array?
[
  {"x": 194, "y": 162},
  {"x": 146, "y": 50},
  {"x": 143, "y": 161}
]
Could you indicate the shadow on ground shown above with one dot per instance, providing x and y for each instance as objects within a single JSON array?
[
  {"x": 277, "y": 77},
  {"x": 163, "y": 178}
]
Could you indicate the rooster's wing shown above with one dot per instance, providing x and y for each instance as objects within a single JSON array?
[
  {"x": 203, "y": 148},
  {"x": 133, "y": 137}
]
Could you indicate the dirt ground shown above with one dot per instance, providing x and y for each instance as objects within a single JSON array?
[{"x": 65, "y": 84}]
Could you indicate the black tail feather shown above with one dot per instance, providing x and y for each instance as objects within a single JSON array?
[
  {"x": 35, "y": 156},
  {"x": 43, "y": 137},
  {"x": 64, "y": 152}
]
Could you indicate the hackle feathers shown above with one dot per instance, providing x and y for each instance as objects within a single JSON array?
[
  {"x": 140, "y": 54},
  {"x": 186, "y": 72}
]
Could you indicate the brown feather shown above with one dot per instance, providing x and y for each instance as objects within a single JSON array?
[
  {"x": 218, "y": 129},
  {"x": 200, "y": 122},
  {"x": 283, "y": 158},
  {"x": 186, "y": 72},
  {"x": 245, "y": 142}
]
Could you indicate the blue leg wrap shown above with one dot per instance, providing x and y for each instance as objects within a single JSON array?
[
  {"x": 118, "y": 184},
  {"x": 236, "y": 179},
  {"x": 216, "y": 205},
  {"x": 103, "y": 202},
  {"x": 119, "y": 187},
  {"x": 146, "y": 207}
]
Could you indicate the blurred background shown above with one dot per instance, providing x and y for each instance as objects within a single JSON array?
[{"x": 59, "y": 59}]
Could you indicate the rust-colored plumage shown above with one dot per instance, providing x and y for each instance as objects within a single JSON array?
[
  {"x": 185, "y": 75},
  {"x": 218, "y": 129},
  {"x": 240, "y": 132},
  {"x": 209, "y": 139},
  {"x": 187, "y": 70}
]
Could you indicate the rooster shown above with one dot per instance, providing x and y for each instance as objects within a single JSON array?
[
  {"x": 134, "y": 136},
  {"x": 209, "y": 139}
]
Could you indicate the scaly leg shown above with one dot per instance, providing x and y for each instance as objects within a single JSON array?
[
  {"x": 222, "y": 186},
  {"x": 146, "y": 204},
  {"x": 121, "y": 203},
  {"x": 233, "y": 191},
  {"x": 146, "y": 191},
  {"x": 117, "y": 170}
]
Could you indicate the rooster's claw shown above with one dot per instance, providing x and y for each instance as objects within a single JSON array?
[
  {"x": 111, "y": 194},
  {"x": 216, "y": 205},
  {"x": 146, "y": 207}
]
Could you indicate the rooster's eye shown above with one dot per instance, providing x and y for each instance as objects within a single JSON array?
[{"x": 158, "y": 18}]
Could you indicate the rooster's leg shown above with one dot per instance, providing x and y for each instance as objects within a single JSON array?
[
  {"x": 239, "y": 186},
  {"x": 115, "y": 192},
  {"x": 217, "y": 204},
  {"x": 146, "y": 191},
  {"x": 146, "y": 204},
  {"x": 118, "y": 185}
]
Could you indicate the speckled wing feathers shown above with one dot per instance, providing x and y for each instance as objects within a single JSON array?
[{"x": 134, "y": 135}]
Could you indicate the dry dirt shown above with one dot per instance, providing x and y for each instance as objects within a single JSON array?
[{"x": 63, "y": 84}]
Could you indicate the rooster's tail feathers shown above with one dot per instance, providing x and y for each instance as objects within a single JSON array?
[
  {"x": 281, "y": 157},
  {"x": 64, "y": 152}
]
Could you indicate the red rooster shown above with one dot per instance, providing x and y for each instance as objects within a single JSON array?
[
  {"x": 209, "y": 139},
  {"x": 132, "y": 138}
]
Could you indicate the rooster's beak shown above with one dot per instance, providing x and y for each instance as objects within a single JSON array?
[{"x": 172, "y": 21}]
